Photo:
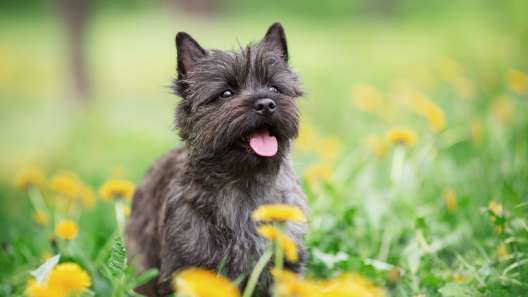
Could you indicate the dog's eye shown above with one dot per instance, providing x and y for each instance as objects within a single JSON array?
[
  {"x": 226, "y": 94},
  {"x": 273, "y": 89}
]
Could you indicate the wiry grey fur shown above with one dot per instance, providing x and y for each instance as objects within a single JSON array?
[{"x": 193, "y": 207}]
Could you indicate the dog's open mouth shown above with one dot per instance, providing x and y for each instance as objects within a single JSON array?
[{"x": 263, "y": 143}]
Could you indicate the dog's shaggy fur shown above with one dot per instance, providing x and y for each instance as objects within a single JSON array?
[{"x": 193, "y": 208}]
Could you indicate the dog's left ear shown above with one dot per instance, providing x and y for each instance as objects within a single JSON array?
[
  {"x": 189, "y": 51},
  {"x": 275, "y": 40}
]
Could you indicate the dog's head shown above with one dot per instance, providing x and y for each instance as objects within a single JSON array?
[{"x": 238, "y": 107}]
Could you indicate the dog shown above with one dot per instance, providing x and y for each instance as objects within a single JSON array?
[{"x": 237, "y": 118}]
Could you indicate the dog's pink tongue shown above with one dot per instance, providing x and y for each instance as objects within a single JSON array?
[{"x": 263, "y": 144}]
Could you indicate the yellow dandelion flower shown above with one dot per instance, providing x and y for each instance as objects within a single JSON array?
[
  {"x": 502, "y": 109},
  {"x": 328, "y": 149},
  {"x": 502, "y": 251},
  {"x": 40, "y": 217},
  {"x": 69, "y": 278},
  {"x": 496, "y": 208},
  {"x": 425, "y": 107},
  {"x": 450, "y": 200},
  {"x": 376, "y": 145},
  {"x": 463, "y": 87},
  {"x": 476, "y": 132},
  {"x": 66, "y": 184},
  {"x": 29, "y": 177},
  {"x": 279, "y": 212},
  {"x": 351, "y": 285},
  {"x": 197, "y": 282},
  {"x": 307, "y": 139},
  {"x": 459, "y": 277},
  {"x": 285, "y": 243},
  {"x": 435, "y": 117},
  {"x": 317, "y": 173},
  {"x": 401, "y": 136},
  {"x": 35, "y": 289},
  {"x": 368, "y": 99},
  {"x": 450, "y": 71},
  {"x": 87, "y": 196},
  {"x": 518, "y": 81},
  {"x": 289, "y": 284},
  {"x": 66, "y": 229},
  {"x": 117, "y": 188}
]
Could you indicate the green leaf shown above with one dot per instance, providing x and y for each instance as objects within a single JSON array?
[
  {"x": 118, "y": 257},
  {"x": 145, "y": 277}
]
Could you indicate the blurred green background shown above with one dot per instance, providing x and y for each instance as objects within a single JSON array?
[
  {"x": 129, "y": 59},
  {"x": 84, "y": 87}
]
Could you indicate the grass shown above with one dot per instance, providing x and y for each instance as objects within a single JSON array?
[{"x": 384, "y": 211}]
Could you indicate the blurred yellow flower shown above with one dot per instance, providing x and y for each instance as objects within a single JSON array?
[
  {"x": 307, "y": 139},
  {"x": 197, "y": 282},
  {"x": 496, "y": 208},
  {"x": 117, "y": 188},
  {"x": 425, "y": 107},
  {"x": 350, "y": 285},
  {"x": 40, "y": 217},
  {"x": 66, "y": 184},
  {"x": 278, "y": 212},
  {"x": 476, "y": 132},
  {"x": 65, "y": 280},
  {"x": 368, "y": 99},
  {"x": 377, "y": 145},
  {"x": 87, "y": 196},
  {"x": 285, "y": 243},
  {"x": 463, "y": 87},
  {"x": 35, "y": 289},
  {"x": 459, "y": 277},
  {"x": 66, "y": 229},
  {"x": 317, "y": 173},
  {"x": 328, "y": 149},
  {"x": 518, "y": 81},
  {"x": 452, "y": 72},
  {"x": 502, "y": 251},
  {"x": 401, "y": 136},
  {"x": 434, "y": 115},
  {"x": 289, "y": 284},
  {"x": 69, "y": 278},
  {"x": 29, "y": 177},
  {"x": 450, "y": 200},
  {"x": 502, "y": 109}
]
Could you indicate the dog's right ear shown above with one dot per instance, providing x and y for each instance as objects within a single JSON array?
[{"x": 189, "y": 51}]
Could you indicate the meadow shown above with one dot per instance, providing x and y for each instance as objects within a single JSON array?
[{"x": 413, "y": 149}]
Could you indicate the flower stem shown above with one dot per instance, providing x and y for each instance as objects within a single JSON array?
[
  {"x": 398, "y": 160},
  {"x": 120, "y": 216},
  {"x": 255, "y": 274},
  {"x": 278, "y": 256},
  {"x": 36, "y": 199}
]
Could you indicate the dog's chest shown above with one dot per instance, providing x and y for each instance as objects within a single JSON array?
[{"x": 243, "y": 246}]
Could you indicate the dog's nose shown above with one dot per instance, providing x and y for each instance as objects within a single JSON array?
[{"x": 265, "y": 106}]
